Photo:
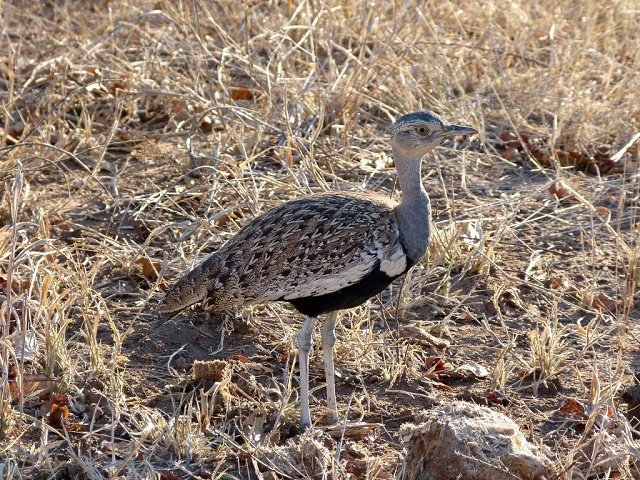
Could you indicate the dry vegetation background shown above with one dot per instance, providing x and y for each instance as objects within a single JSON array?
[{"x": 139, "y": 136}]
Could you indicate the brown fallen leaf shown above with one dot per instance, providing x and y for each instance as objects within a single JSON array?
[
  {"x": 512, "y": 154},
  {"x": 241, "y": 93},
  {"x": 442, "y": 386},
  {"x": 437, "y": 368},
  {"x": 77, "y": 427},
  {"x": 603, "y": 302},
  {"x": 123, "y": 83},
  {"x": 222, "y": 220},
  {"x": 558, "y": 282},
  {"x": 149, "y": 269},
  {"x": 561, "y": 192},
  {"x": 54, "y": 136},
  {"x": 573, "y": 409},
  {"x": 597, "y": 161},
  {"x": 570, "y": 158},
  {"x": 288, "y": 355},
  {"x": 510, "y": 140},
  {"x": 500, "y": 399},
  {"x": 240, "y": 358},
  {"x": 541, "y": 154},
  {"x": 57, "y": 409}
]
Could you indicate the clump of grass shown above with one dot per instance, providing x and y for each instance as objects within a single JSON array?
[{"x": 550, "y": 355}]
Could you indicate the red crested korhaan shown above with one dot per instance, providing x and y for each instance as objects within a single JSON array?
[{"x": 324, "y": 252}]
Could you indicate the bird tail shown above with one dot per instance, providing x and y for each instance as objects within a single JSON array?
[{"x": 190, "y": 289}]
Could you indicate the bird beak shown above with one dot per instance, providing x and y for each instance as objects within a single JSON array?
[{"x": 455, "y": 130}]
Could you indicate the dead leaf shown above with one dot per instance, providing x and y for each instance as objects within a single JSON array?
[
  {"x": 149, "y": 269},
  {"x": 558, "y": 283},
  {"x": 76, "y": 427},
  {"x": 510, "y": 141},
  {"x": 561, "y": 192},
  {"x": 512, "y": 154},
  {"x": 288, "y": 355},
  {"x": 499, "y": 399},
  {"x": 596, "y": 161},
  {"x": 442, "y": 386},
  {"x": 541, "y": 155},
  {"x": 437, "y": 368},
  {"x": 123, "y": 84},
  {"x": 356, "y": 467},
  {"x": 573, "y": 410},
  {"x": 54, "y": 136},
  {"x": 603, "y": 302},
  {"x": 58, "y": 411},
  {"x": 178, "y": 105},
  {"x": 222, "y": 220},
  {"x": 241, "y": 93},
  {"x": 474, "y": 369},
  {"x": 141, "y": 229},
  {"x": 240, "y": 358}
]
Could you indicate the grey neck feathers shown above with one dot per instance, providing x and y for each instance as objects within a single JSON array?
[{"x": 414, "y": 212}]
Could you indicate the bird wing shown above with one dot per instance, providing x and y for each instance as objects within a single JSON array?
[{"x": 308, "y": 247}]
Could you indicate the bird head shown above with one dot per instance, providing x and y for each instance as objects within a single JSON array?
[{"x": 416, "y": 134}]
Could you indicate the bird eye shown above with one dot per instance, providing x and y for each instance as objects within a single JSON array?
[{"x": 421, "y": 130}]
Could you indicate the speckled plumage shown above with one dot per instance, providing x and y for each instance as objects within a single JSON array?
[
  {"x": 307, "y": 247},
  {"x": 324, "y": 252}
]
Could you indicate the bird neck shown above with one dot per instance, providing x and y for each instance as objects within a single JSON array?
[{"x": 414, "y": 212}]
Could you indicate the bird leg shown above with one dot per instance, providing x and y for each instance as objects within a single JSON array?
[
  {"x": 328, "y": 341},
  {"x": 304, "y": 347}
]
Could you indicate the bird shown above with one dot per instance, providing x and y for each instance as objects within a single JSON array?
[{"x": 324, "y": 252}]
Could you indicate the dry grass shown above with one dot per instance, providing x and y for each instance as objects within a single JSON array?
[{"x": 139, "y": 136}]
